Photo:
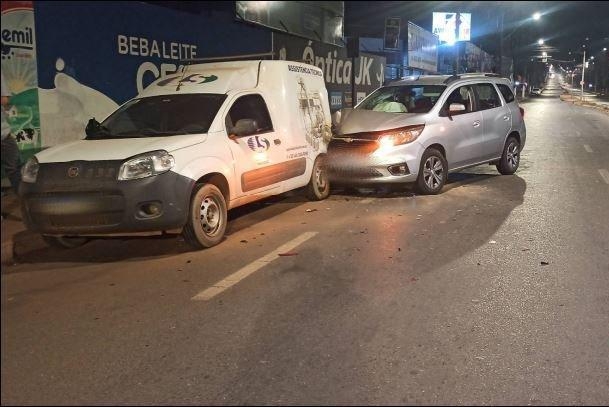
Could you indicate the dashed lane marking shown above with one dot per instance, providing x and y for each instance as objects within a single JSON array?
[
  {"x": 605, "y": 175},
  {"x": 251, "y": 268},
  {"x": 367, "y": 200}
]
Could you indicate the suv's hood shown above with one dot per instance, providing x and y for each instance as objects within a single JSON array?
[
  {"x": 115, "y": 149},
  {"x": 357, "y": 121}
]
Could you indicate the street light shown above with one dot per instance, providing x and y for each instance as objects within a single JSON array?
[
  {"x": 536, "y": 16},
  {"x": 540, "y": 41}
]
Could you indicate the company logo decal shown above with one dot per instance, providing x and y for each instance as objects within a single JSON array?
[
  {"x": 73, "y": 172},
  {"x": 258, "y": 143}
]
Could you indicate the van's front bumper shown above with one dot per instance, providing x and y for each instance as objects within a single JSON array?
[{"x": 96, "y": 203}]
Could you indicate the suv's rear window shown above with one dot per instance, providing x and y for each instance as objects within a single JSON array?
[
  {"x": 403, "y": 99},
  {"x": 506, "y": 92}
]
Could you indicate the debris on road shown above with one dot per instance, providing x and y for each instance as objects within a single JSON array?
[
  {"x": 544, "y": 263},
  {"x": 311, "y": 210},
  {"x": 288, "y": 254}
]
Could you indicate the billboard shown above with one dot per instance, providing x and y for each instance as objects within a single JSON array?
[
  {"x": 392, "y": 33},
  {"x": 452, "y": 27},
  {"x": 422, "y": 49}
]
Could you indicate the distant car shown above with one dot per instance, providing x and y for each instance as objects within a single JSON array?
[
  {"x": 419, "y": 130},
  {"x": 535, "y": 91}
]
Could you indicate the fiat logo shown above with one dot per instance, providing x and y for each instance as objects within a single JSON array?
[{"x": 73, "y": 172}]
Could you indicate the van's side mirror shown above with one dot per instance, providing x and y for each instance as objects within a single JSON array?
[
  {"x": 244, "y": 127},
  {"x": 92, "y": 128}
]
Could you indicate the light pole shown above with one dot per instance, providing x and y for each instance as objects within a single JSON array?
[{"x": 583, "y": 72}]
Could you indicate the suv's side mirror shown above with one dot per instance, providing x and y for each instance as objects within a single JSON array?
[
  {"x": 244, "y": 127},
  {"x": 456, "y": 108}
]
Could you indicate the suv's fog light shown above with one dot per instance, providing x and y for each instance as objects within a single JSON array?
[{"x": 399, "y": 169}]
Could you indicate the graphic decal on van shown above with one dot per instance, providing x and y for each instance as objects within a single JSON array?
[
  {"x": 194, "y": 78},
  {"x": 312, "y": 114},
  {"x": 258, "y": 144}
]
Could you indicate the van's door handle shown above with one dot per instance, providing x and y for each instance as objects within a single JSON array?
[
  {"x": 277, "y": 141},
  {"x": 506, "y": 118},
  {"x": 476, "y": 123}
]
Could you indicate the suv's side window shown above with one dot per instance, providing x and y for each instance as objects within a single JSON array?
[
  {"x": 463, "y": 95},
  {"x": 487, "y": 96},
  {"x": 250, "y": 114},
  {"x": 506, "y": 92}
]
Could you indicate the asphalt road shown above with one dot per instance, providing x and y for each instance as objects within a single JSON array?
[{"x": 494, "y": 292}]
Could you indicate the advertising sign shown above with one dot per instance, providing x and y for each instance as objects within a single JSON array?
[
  {"x": 20, "y": 74},
  {"x": 392, "y": 33},
  {"x": 422, "y": 49},
  {"x": 338, "y": 69},
  {"x": 103, "y": 54},
  {"x": 452, "y": 27}
]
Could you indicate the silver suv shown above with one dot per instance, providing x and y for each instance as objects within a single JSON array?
[{"x": 420, "y": 129}]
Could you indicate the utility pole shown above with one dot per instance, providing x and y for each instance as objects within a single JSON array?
[{"x": 583, "y": 71}]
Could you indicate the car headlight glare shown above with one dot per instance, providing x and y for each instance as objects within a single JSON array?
[
  {"x": 399, "y": 136},
  {"x": 146, "y": 165},
  {"x": 29, "y": 172}
]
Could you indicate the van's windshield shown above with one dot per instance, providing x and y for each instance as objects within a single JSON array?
[
  {"x": 157, "y": 116},
  {"x": 403, "y": 99}
]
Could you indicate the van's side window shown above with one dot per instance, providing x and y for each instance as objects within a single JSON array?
[
  {"x": 487, "y": 96},
  {"x": 251, "y": 110},
  {"x": 506, "y": 92},
  {"x": 463, "y": 95}
]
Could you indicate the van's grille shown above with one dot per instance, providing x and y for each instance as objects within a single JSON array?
[{"x": 77, "y": 175}]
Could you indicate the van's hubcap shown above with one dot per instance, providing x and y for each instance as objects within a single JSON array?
[
  {"x": 513, "y": 154},
  {"x": 433, "y": 172},
  {"x": 210, "y": 215},
  {"x": 320, "y": 178}
]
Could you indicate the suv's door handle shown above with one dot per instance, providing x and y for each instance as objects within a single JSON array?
[
  {"x": 506, "y": 118},
  {"x": 476, "y": 123}
]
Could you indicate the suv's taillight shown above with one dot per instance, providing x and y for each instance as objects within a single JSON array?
[{"x": 521, "y": 112}]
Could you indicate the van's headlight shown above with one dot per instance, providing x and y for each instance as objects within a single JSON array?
[
  {"x": 29, "y": 172},
  {"x": 146, "y": 165}
]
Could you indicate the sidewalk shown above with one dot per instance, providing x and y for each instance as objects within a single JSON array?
[
  {"x": 590, "y": 100},
  {"x": 15, "y": 237}
]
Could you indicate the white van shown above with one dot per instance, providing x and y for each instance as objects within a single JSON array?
[{"x": 190, "y": 147}]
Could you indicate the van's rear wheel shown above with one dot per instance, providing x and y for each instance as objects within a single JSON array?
[
  {"x": 207, "y": 218},
  {"x": 318, "y": 187},
  {"x": 64, "y": 242}
]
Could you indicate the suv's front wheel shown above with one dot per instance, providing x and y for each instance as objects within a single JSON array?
[
  {"x": 510, "y": 159},
  {"x": 432, "y": 172}
]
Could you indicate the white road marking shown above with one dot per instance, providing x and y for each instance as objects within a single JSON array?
[
  {"x": 254, "y": 266},
  {"x": 367, "y": 200},
  {"x": 605, "y": 175},
  {"x": 588, "y": 149}
]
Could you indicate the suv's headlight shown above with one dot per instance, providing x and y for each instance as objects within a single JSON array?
[
  {"x": 29, "y": 172},
  {"x": 391, "y": 138},
  {"x": 146, "y": 165},
  {"x": 399, "y": 136}
]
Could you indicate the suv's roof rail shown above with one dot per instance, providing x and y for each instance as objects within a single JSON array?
[
  {"x": 227, "y": 58},
  {"x": 471, "y": 75}
]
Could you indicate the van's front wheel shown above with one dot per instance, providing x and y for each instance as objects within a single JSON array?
[
  {"x": 207, "y": 218},
  {"x": 318, "y": 187}
]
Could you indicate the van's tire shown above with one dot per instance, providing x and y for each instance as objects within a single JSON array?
[
  {"x": 207, "y": 217},
  {"x": 318, "y": 187},
  {"x": 433, "y": 172},
  {"x": 64, "y": 242},
  {"x": 510, "y": 158}
]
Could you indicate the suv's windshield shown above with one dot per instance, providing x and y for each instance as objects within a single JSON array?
[
  {"x": 403, "y": 99},
  {"x": 165, "y": 115}
]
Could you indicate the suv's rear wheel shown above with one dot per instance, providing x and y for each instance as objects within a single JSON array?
[
  {"x": 65, "y": 242},
  {"x": 207, "y": 218},
  {"x": 432, "y": 172},
  {"x": 510, "y": 159},
  {"x": 318, "y": 187}
]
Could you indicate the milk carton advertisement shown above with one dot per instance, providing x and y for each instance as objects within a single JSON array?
[{"x": 94, "y": 56}]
